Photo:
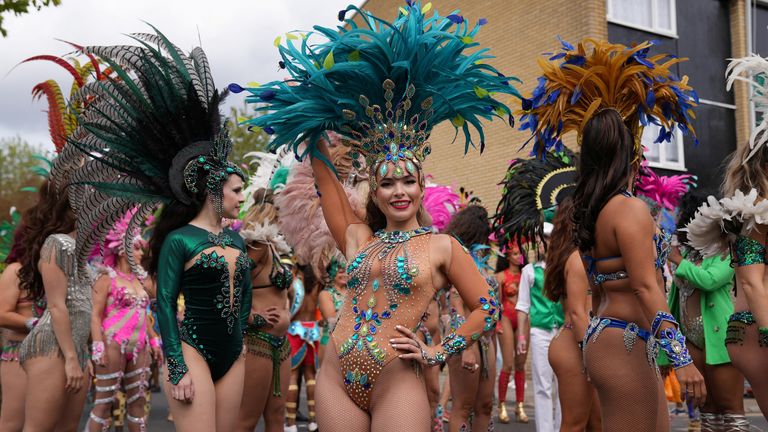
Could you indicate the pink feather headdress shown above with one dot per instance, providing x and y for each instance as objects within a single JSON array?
[
  {"x": 113, "y": 242},
  {"x": 666, "y": 191},
  {"x": 441, "y": 202}
]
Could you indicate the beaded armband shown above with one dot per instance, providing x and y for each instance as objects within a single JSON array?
[
  {"x": 453, "y": 344},
  {"x": 491, "y": 307},
  {"x": 660, "y": 317},
  {"x": 672, "y": 341},
  {"x": 258, "y": 321},
  {"x": 176, "y": 370},
  {"x": 762, "y": 336},
  {"x": 737, "y": 327},
  {"x": 748, "y": 251}
]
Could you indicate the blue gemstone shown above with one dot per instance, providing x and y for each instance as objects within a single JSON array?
[
  {"x": 386, "y": 315},
  {"x": 372, "y": 329},
  {"x": 357, "y": 326},
  {"x": 355, "y": 309}
]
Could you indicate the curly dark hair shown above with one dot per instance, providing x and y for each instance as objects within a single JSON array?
[
  {"x": 470, "y": 225},
  {"x": 605, "y": 167},
  {"x": 561, "y": 246},
  {"x": 51, "y": 215}
]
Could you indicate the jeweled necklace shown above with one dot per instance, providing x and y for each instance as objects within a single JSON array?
[{"x": 221, "y": 239}]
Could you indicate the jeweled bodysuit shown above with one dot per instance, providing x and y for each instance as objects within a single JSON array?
[
  {"x": 217, "y": 296},
  {"x": 125, "y": 317},
  {"x": 390, "y": 283}
]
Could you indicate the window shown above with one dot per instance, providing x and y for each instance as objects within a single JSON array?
[
  {"x": 656, "y": 16},
  {"x": 669, "y": 155}
]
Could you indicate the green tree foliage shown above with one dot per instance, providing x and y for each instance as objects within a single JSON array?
[
  {"x": 20, "y": 168},
  {"x": 20, "y": 7},
  {"x": 244, "y": 140}
]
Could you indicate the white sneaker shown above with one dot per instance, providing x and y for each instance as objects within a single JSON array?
[
  {"x": 293, "y": 428},
  {"x": 312, "y": 426}
]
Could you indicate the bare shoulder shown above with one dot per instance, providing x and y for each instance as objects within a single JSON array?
[{"x": 440, "y": 247}]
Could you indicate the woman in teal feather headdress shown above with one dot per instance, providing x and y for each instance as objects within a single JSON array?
[{"x": 384, "y": 86}]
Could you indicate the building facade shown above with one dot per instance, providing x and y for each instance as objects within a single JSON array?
[{"x": 519, "y": 31}]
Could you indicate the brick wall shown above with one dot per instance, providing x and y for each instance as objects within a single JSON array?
[{"x": 518, "y": 31}]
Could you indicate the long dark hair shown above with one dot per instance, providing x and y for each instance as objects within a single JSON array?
[
  {"x": 605, "y": 167},
  {"x": 51, "y": 215},
  {"x": 173, "y": 216},
  {"x": 561, "y": 246},
  {"x": 471, "y": 226}
]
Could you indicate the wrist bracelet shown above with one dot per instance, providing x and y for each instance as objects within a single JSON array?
[
  {"x": 97, "y": 350},
  {"x": 762, "y": 336},
  {"x": 660, "y": 317},
  {"x": 155, "y": 342},
  {"x": 672, "y": 341},
  {"x": 31, "y": 323},
  {"x": 453, "y": 344}
]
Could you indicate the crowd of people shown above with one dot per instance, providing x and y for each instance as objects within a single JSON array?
[{"x": 338, "y": 266}]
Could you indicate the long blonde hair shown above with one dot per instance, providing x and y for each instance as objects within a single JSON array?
[
  {"x": 263, "y": 211},
  {"x": 745, "y": 176}
]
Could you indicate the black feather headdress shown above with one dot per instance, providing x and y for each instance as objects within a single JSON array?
[
  {"x": 531, "y": 189},
  {"x": 149, "y": 131}
]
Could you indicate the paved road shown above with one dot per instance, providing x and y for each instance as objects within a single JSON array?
[{"x": 158, "y": 423}]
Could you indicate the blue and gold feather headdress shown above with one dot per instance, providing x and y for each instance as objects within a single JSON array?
[{"x": 382, "y": 85}]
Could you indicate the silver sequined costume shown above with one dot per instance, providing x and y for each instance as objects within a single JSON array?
[{"x": 59, "y": 249}]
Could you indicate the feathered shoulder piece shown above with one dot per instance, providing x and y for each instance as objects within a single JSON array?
[
  {"x": 718, "y": 223},
  {"x": 441, "y": 202},
  {"x": 594, "y": 75},
  {"x": 265, "y": 233},
  {"x": 531, "y": 187},
  {"x": 383, "y": 84},
  {"x": 748, "y": 69},
  {"x": 663, "y": 191},
  {"x": 153, "y": 133}
]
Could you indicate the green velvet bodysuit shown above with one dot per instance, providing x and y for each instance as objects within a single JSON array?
[{"x": 216, "y": 315}]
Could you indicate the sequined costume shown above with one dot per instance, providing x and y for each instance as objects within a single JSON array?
[
  {"x": 390, "y": 284},
  {"x": 59, "y": 249},
  {"x": 509, "y": 287},
  {"x": 217, "y": 294},
  {"x": 125, "y": 317}
]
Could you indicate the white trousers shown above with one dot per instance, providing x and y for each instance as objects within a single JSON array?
[{"x": 546, "y": 402}]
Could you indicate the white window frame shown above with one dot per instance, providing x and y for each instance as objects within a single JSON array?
[
  {"x": 679, "y": 165},
  {"x": 654, "y": 19}
]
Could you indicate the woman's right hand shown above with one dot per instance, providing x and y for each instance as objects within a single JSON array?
[
  {"x": 184, "y": 391},
  {"x": 692, "y": 384},
  {"x": 469, "y": 360},
  {"x": 74, "y": 375}
]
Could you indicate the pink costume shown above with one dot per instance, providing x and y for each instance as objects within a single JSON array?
[{"x": 125, "y": 317}]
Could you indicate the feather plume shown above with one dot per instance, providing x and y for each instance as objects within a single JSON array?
[
  {"x": 747, "y": 69},
  {"x": 441, "y": 202},
  {"x": 665, "y": 191},
  {"x": 519, "y": 217},
  {"x": 302, "y": 222},
  {"x": 594, "y": 75},
  {"x": 337, "y": 83}
]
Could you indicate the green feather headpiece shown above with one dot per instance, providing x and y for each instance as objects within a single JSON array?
[{"x": 383, "y": 85}]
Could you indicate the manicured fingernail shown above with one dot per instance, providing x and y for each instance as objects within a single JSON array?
[
  {"x": 401, "y": 356},
  {"x": 398, "y": 327}
]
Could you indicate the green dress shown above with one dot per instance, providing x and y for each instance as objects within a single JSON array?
[{"x": 213, "y": 324}]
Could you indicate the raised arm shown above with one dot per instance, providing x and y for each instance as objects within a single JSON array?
[
  {"x": 333, "y": 199},
  {"x": 170, "y": 268},
  {"x": 9, "y": 296}
]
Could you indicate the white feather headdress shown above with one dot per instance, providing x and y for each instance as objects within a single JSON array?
[{"x": 753, "y": 70}]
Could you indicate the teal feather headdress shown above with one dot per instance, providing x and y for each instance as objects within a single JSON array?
[{"x": 384, "y": 86}]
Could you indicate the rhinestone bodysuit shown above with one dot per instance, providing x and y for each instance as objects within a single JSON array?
[{"x": 390, "y": 283}]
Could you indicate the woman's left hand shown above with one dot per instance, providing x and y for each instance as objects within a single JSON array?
[{"x": 411, "y": 347}]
